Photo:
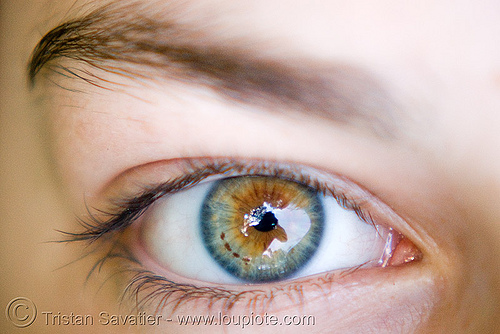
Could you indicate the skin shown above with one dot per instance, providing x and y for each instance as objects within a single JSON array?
[{"x": 438, "y": 182}]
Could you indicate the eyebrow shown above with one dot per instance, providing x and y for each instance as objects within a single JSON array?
[{"x": 122, "y": 39}]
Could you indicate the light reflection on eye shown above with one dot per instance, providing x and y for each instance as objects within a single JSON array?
[{"x": 254, "y": 229}]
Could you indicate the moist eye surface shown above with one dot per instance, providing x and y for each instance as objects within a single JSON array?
[
  {"x": 261, "y": 228},
  {"x": 258, "y": 222}
]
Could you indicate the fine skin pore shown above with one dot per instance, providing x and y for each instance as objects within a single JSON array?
[{"x": 397, "y": 102}]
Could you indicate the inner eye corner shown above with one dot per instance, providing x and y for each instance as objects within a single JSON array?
[{"x": 406, "y": 251}]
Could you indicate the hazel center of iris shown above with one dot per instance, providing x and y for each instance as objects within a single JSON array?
[{"x": 267, "y": 222}]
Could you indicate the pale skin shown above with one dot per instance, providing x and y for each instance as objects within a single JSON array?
[{"x": 437, "y": 179}]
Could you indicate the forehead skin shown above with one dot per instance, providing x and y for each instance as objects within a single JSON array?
[{"x": 439, "y": 59}]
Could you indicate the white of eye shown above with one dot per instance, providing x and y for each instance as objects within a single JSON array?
[{"x": 171, "y": 235}]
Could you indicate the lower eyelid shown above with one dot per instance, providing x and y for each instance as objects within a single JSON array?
[{"x": 335, "y": 291}]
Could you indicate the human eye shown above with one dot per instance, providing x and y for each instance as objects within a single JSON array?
[
  {"x": 265, "y": 223},
  {"x": 228, "y": 232}
]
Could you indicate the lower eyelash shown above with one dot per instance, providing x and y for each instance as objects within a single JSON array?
[
  {"x": 153, "y": 287},
  {"x": 166, "y": 292},
  {"x": 145, "y": 288},
  {"x": 147, "y": 291}
]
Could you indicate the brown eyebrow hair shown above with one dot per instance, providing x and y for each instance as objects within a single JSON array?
[{"x": 122, "y": 38}]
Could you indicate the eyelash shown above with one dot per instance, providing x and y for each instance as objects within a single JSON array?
[{"x": 107, "y": 230}]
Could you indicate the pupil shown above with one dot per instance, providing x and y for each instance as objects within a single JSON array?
[{"x": 267, "y": 223}]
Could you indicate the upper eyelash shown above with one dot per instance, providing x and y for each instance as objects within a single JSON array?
[{"x": 129, "y": 210}]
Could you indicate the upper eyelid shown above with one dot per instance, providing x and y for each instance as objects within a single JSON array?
[
  {"x": 196, "y": 170},
  {"x": 125, "y": 210}
]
